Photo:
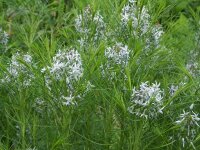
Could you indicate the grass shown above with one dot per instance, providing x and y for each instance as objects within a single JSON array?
[{"x": 85, "y": 102}]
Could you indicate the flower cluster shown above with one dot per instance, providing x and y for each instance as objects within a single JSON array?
[
  {"x": 65, "y": 65},
  {"x": 3, "y": 41},
  {"x": 193, "y": 68},
  {"x": 147, "y": 101},
  {"x": 82, "y": 21},
  {"x": 188, "y": 122},
  {"x": 116, "y": 55},
  {"x": 3, "y": 37},
  {"x": 140, "y": 19},
  {"x": 87, "y": 25},
  {"x": 19, "y": 68},
  {"x": 157, "y": 33},
  {"x": 100, "y": 26}
]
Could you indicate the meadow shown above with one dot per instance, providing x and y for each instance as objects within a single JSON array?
[{"x": 99, "y": 74}]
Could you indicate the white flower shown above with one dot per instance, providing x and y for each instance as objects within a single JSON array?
[
  {"x": 3, "y": 37},
  {"x": 189, "y": 125},
  {"x": 129, "y": 13},
  {"x": 140, "y": 19},
  {"x": 27, "y": 58},
  {"x": 132, "y": 1},
  {"x": 66, "y": 65},
  {"x": 100, "y": 26},
  {"x": 173, "y": 89},
  {"x": 85, "y": 23},
  {"x": 141, "y": 23},
  {"x": 68, "y": 100},
  {"x": 188, "y": 118},
  {"x": 193, "y": 68},
  {"x": 157, "y": 32},
  {"x": 17, "y": 68},
  {"x": 145, "y": 20},
  {"x": 147, "y": 101},
  {"x": 118, "y": 53}
]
